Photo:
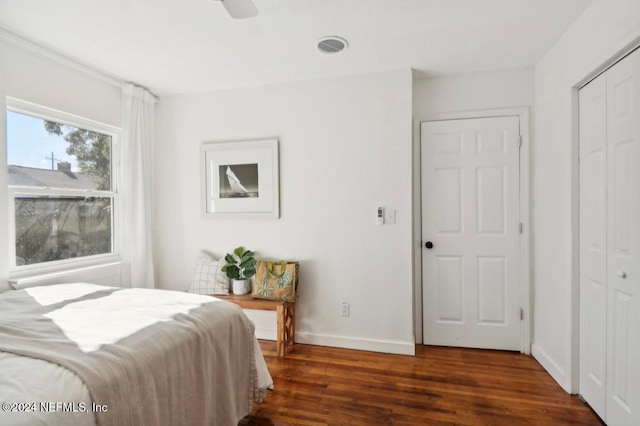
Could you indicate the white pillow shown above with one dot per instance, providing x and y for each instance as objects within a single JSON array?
[{"x": 208, "y": 277}]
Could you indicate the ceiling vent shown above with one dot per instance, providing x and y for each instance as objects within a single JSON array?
[{"x": 332, "y": 44}]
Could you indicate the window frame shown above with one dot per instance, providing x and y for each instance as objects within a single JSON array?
[{"x": 46, "y": 113}]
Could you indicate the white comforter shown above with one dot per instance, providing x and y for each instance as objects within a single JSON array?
[{"x": 37, "y": 392}]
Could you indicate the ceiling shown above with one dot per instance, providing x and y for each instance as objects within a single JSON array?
[{"x": 186, "y": 46}]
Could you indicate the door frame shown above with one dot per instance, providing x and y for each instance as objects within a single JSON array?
[{"x": 526, "y": 301}]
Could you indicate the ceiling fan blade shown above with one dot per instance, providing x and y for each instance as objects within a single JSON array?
[{"x": 240, "y": 9}]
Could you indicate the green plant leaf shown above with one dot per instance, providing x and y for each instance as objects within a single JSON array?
[
  {"x": 230, "y": 259},
  {"x": 233, "y": 272},
  {"x": 246, "y": 263},
  {"x": 239, "y": 251},
  {"x": 249, "y": 272},
  {"x": 247, "y": 255}
]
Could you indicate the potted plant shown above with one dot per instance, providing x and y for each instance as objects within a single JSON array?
[{"x": 241, "y": 265}]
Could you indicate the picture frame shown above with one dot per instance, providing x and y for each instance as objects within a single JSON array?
[{"x": 240, "y": 179}]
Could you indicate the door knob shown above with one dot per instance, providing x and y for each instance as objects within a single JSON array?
[
  {"x": 622, "y": 274},
  {"x": 428, "y": 245}
]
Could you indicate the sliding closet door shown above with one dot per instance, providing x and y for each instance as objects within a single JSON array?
[
  {"x": 593, "y": 243},
  {"x": 610, "y": 243},
  {"x": 623, "y": 242}
]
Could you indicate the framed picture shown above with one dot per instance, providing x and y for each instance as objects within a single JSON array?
[{"x": 240, "y": 179}]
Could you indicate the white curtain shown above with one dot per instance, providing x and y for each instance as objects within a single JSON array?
[{"x": 136, "y": 186}]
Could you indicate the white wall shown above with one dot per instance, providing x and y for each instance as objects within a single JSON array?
[
  {"x": 473, "y": 92},
  {"x": 606, "y": 28},
  {"x": 345, "y": 148},
  {"x": 28, "y": 75}
]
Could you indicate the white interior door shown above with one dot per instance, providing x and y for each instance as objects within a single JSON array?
[
  {"x": 470, "y": 215},
  {"x": 593, "y": 243}
]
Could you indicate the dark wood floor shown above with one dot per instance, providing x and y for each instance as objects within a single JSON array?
[{"x": 317, "y": 385}]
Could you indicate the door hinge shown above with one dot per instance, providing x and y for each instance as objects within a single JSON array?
[
  {"x": 521, "y": 314},
  {"x": 521, "y": 227},
  {"x": 519, "y": 141}
]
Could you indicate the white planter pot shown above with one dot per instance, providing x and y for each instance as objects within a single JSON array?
[{"x": 241, "y": 286}]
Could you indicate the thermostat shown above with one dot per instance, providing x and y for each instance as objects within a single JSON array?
[{"x": 380, "y": 215}]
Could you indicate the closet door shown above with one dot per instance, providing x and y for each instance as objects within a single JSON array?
[
  {"x": 610, "y": 243},
  {"x": 593, "y": 243},
  {"x": 623, "y": 242}
]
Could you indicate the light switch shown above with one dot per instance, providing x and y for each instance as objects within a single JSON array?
[{"x": 390, "y": 216}]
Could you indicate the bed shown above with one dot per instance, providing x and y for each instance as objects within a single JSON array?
[{"x": 83, "y": 354}]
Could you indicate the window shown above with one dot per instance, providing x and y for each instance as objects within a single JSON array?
[{"x": 61, "y": 193}]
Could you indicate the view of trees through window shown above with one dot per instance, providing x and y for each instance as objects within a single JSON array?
[
  {"x": 92, "y": 151},
  {"x": 60, "y": 180},
  {"x": 61, "y": 228}
]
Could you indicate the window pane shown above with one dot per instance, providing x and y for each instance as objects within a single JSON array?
[
  {"x": 45, "y": 153},
  {"x": 55, "y": 228}
]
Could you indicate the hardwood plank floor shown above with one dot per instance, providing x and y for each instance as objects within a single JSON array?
[{"x": 316, "y": 385}]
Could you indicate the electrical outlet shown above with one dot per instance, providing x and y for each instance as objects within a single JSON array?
[{"x": 345, "y": 309}]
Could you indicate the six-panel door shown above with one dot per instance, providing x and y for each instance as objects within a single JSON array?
[{"x": 470, "y": 213}]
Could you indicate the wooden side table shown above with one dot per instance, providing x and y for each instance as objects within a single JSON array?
[{"x": 285, "y": 313}]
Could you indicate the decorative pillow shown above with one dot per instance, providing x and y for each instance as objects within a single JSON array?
[
  {"x": 208, "y": 277},
  {"x": 276, "y": 281}
]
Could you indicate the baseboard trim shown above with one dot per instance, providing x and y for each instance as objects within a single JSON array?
[
  {"x": 555, "y": 371},
  {"x": 385, "y": 346},
  {"x": 266, "y": 334}
]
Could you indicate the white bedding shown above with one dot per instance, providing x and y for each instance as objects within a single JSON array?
[
  {"x": 29, "y": 380},
  {"x": 40, "y": 387}
]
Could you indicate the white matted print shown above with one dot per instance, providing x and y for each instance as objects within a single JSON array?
[{"x": 240, "y": 179}]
